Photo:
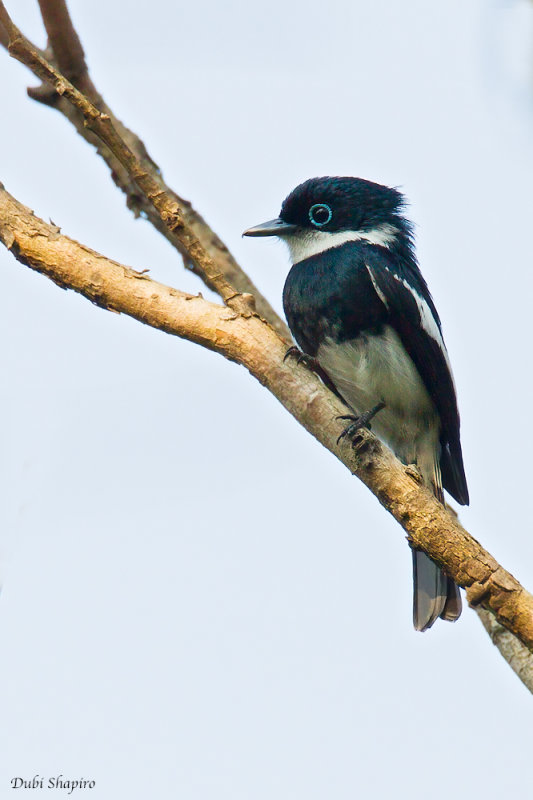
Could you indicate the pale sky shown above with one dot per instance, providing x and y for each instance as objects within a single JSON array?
[{"x": 199, "y": 601}]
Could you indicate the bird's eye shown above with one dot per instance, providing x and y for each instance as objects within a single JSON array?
[{"x": 320, "y": 214}]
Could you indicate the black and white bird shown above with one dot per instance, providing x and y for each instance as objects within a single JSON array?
[{"x": 357, "y": 303}]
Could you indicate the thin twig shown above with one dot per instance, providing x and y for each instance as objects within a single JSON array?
[{"x": 251, "y": 342}]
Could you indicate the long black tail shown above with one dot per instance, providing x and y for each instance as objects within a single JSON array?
[{"x": 434, "y": 594}]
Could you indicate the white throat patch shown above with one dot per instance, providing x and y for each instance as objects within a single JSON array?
[{"x": 303, "y": 245}]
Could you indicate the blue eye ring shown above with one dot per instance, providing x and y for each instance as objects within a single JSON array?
[{"x": 314, "y": 208}]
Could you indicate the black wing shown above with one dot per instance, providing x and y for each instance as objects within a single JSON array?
[{"x": 412, "y": 314}]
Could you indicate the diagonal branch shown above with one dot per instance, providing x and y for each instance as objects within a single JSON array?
[
  {"x": 63, "y": 40},
  {"x": 251, "y": 342},
  {"x": 67, "y": 51}
]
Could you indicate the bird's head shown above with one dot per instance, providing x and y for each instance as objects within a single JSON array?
[{"x": 326, "y": 212}]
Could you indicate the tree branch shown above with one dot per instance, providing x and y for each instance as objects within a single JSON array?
[
  {"x": 519, "y": 658},
  {"x": 63, "y": 40},
  {"x": 248, "y": 340},
  {"x": 67, "y": 49}
]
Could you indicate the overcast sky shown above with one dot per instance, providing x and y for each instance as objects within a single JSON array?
[{"x": 199, "y": 601}]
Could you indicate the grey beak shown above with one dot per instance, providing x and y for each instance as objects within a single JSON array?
[{"x": 274, "y": 227}]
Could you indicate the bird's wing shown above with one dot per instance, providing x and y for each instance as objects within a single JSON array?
[{"x": 413, "y": 315}]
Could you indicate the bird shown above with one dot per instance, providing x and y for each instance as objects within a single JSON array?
[{"x": 359, "y": 308}]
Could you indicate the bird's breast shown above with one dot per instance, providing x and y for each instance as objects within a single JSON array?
[{"x": 330, "y": 296}]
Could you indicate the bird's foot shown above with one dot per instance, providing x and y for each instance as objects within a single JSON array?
[
  {"x": 301, "y": 358},
  {"x": 360, "y": 421}
]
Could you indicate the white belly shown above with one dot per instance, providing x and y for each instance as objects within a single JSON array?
[{"x": 373, "y": 368}]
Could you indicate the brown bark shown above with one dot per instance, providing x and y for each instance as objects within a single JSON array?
[
  {"x": 63, "y": 40},
  {"x": 245, "y": 338},
  {"x": 519, "y": 658}
]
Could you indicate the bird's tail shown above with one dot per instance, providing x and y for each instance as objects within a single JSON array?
[{"x": 434, "y": 593}]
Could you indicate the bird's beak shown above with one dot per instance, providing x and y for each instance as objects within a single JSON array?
[{"x": 274, "y": 227}]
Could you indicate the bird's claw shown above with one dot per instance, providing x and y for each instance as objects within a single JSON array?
[
  {"x": 301, "y": 358},
  {"x": 358, "y": 422},
  {"x": 292, "y": 351}
]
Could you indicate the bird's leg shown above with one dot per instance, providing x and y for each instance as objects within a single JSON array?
[
  {"x": 360, "y": 421},
  {"x": 312, "y": 364}
]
